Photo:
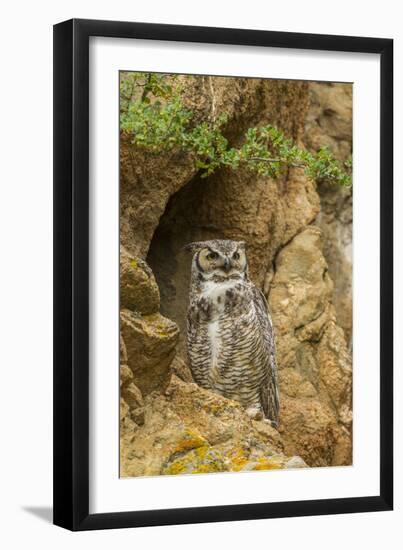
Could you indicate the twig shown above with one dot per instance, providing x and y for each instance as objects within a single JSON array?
[{"x": 263, "y": 159}]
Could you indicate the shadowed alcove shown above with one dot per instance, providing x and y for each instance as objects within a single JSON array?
[{"x": 226, "y": 205}]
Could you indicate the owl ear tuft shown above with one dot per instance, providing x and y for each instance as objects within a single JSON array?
[
  {"x": 193, "y": 247},
  {"x": 242, "y": 244}
]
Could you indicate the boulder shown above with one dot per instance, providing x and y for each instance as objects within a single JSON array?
[
  {"x": 138, "y": 289},
  {"x": 150, "y": 342},
  {"x": 189, "y": 430}
]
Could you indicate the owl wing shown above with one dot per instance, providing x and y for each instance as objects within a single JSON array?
[
  {"x": 196, "y": 346},
  {"x": 269, "y": 394}
]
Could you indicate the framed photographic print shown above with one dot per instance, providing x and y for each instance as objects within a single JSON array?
[{"x": 222, "y": 274}]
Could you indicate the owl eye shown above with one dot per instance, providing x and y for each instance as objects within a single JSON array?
[
  {"x": 212, "y": 255},
  {"x": 236, "y": 255}
]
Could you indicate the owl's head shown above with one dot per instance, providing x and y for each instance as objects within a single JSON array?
[{"x": 221, "y": 259}]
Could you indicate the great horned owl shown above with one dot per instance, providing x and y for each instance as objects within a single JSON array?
[{"x": 229, "y": 330}]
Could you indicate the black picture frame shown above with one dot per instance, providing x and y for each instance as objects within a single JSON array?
[{"x": 71, "y": 274}]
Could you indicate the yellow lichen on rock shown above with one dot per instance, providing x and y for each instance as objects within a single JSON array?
[
  {"x": 210, "y": 459},
  {"x": 191, "y": 440},
  {"x": 198, "y": 461},
  {"x": 181, "y": 435},
  {"x": 267, "y": 464}
]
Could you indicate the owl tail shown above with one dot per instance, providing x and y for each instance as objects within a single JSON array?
[{"x": 270, "y": 402}]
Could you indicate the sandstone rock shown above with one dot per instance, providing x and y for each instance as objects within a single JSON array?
[
  {"x": 335, "y": 222},
  {"x": 301, "y": 288},
  {"x": 308, "y": 429},
  {"x": 209, "y": 460},
  {"x": 315, "y": 370},
  {"x": 126, "y": 375},
  {"x": 131, "y": 402},
  {"x": 295, "y": 462},
  {"x": 329, "y": 118},
  {"x": 150, "y": 343},
  {"x": 335, "y": 371},
  {"x": 138, "y": 415},
  {"x": 122, "y": 351},
  {"x": 329, "y": 123},
  {"x": 181, "y": 369},
  {"x": 191, "y": 430},
  {"x": 132, "y": 395},
  {"x": 198, "y": 461},
  {"x": 138, "y": 289},
  {"x": 300, "y": 205},
  {"x": 124, "y": 409},
  {"x": 127, "y": 426}
]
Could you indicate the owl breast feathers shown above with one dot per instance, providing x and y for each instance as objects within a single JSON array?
[{"x": 229, "y": 331}]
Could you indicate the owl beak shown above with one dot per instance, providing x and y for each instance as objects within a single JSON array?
[{"x": 227, "y": 265}]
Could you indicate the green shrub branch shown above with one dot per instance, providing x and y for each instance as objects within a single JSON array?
[{"x": 154, "y": 114}]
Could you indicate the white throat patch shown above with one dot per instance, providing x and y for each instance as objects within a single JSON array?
[
  {"x": 215, "y": 293},
  {"x": 213, "y": 290}
]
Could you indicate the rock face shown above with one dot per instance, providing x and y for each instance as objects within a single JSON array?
[
  {"x": 138, "y": 288},
  {"x": 190, "y": 430},
  {"x": 314, "y": 366},
  {"x": 329, "y": 123},
  {"x": 150, "y": 344},
  {"x": 148, "y": 339},
  {"x": 169, "y": 425}
]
